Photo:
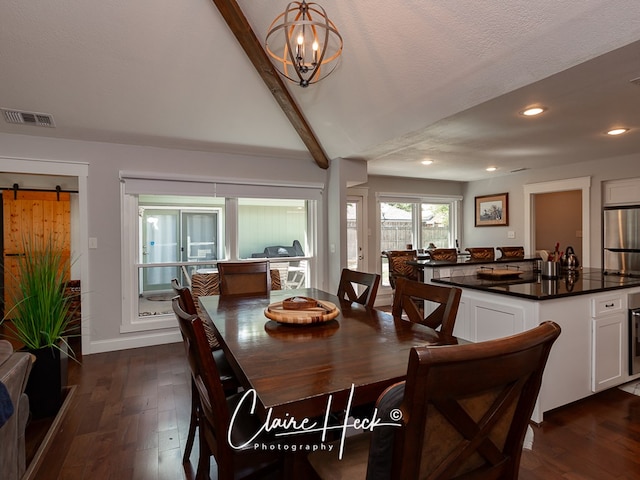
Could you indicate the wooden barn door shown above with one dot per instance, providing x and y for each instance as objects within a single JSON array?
[{"x": 32, "y": 215}]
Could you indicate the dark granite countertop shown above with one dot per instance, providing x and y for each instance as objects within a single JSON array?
[
  {"x": 464, "y": 260},
  {"x": 533, "y": 287}
]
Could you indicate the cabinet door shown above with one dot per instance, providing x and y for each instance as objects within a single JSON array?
[
  {"x": 607, "y": 339},
  {"x": 488, "y": 321},
  {"x": 621, "y": 192}
]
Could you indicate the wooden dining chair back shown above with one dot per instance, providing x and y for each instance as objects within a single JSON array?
[
  {"x": 350, "y": 280},
  {"x": 467, "y": 407},
  {"x": 398, "y": 266},
  {"x": 481, "y": 253},
  {"x": 444, "y": 254},
  {"x": 511, "y": 252},
  {"x": 244, "y": 278},
  {"x": 187, "y": 302},
  {"x": 442, "y": 306},
  {"x": 215, "y": 407},
  {"x": 229, "y": 381},
  {"x": 464, "y": 412}
]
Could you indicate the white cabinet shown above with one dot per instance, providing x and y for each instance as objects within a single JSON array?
[
  {"x": 480, "y": 319},
  {"x": 607, "y": 369},
  {"x": 621, "y": 192},
  {"x": 608, "y": 347}
]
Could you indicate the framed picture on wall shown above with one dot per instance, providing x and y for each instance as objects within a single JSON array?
[{"x": 492, "y": 210}]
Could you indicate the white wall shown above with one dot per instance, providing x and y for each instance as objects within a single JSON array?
[
  {"x": 599, "y": 171},
  {"x": 103, "y": 187},
  {"x": 106, "y": 160}
]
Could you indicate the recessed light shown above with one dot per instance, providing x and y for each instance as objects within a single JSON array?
[
  {"x": 617, "y": 131},
  {"x": 532, "y": 111},
  {"x": 491, "y": 169},
  {"x": 426, "y": 162}
]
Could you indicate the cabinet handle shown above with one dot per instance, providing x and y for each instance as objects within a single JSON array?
[{"x": 609, "y": 305}]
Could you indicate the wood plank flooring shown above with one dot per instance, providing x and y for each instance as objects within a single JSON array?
[{"x": 130, "y": 415}]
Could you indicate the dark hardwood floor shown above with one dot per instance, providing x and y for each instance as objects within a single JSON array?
[{"x": 130, "y": 413}]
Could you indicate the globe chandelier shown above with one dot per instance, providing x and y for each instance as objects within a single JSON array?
[{"x": 304, "y": 44}]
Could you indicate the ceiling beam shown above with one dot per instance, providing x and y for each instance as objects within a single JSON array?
[{"x": 240, "y": 27}]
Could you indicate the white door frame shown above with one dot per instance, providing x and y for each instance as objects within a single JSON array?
[
  {"x": 360, "y": 196},
  {"x": 81, "y": 171}
]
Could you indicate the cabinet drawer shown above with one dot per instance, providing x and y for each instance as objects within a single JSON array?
[{"x": 606, "y": 305}]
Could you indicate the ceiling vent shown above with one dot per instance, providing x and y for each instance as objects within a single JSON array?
[
  {"x": 635, "y": 81},
  {"x": 520, "y": 169},
  {"x": 28, "y": 118}
]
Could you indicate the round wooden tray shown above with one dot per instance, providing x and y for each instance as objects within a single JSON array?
[
  {"x": 322, "y": 311},
  {"x": 301, "y": 333}
]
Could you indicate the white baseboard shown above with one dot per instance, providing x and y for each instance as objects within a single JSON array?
[{"x": 137, "y": 341}]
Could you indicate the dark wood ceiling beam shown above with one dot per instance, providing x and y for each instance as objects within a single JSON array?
[{"x": 245, "y": 35}]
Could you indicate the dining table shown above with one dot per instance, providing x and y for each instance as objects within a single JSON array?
[{"x": 307, "y": 370}]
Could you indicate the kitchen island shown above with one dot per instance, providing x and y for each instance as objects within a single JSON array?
[{"x": 592, "y": 352}]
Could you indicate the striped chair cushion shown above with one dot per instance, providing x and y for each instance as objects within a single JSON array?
[{"x": 205, "y": 284}]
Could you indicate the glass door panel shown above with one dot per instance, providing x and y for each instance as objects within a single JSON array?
[
  {"x": 159, "y": 245},
  {"x": 199, "y": 233}
]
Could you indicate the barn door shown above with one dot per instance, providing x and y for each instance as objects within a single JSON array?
[{"x": 32, "y": 215}]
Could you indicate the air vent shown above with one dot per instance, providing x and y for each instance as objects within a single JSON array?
[
  {"x": 28, "y": 118},
  {"x": 520, "y": 169},
  {"x": 635, "y": 81}
]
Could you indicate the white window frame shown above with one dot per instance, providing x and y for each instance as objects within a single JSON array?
[
  {"x": 134, "y": 183},
  {"x": 455, "y": 206}
]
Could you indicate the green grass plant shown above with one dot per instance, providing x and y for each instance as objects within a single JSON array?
[{"x": 41, "y": 312}]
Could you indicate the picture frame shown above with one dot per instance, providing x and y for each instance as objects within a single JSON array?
[{"x": 492, "y": 210}]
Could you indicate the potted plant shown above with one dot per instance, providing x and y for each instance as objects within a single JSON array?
[{"x": 40, "y": 318}]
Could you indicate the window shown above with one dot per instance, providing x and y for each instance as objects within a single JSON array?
[
  {"x": 416, "y": 223},
  {"x": 170, "y": 233},
  {"x": 173, "y": 233}
]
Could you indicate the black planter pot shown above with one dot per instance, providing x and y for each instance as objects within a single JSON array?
[{"x": 48, "y": 377}]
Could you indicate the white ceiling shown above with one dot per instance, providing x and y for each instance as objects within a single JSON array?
[{"x": 418, "y": 78}]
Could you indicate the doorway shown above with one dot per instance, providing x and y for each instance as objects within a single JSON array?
[
  {"x": 558, "y": 220},
  {"x": 583, "y": 184},
  {"x": 355, "y": 241},
  {"x": 39, "y": 174}
]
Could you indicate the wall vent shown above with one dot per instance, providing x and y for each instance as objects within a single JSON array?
[{"x": 28, "y": 118}]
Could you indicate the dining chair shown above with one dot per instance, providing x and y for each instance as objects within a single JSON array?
[
  {"x": 370, "y": 282},
  {"x": 481, "y": 253},
  {"x": 227, "y": 377},
  {"x": 465, "y": 410},
  {"x": 244, "y": 278},
  {"x": 398, "y": 266},
  {"x": 441, "y": 254},
  {"x": 204, "y": 284},
  {"x": 215, "y": 411},
  {"x": 188, "y": 304},
  {"x": 511, "y": 252},
  {"x": 409, "y": 300}
]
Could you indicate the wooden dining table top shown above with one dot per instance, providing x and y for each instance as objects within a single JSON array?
[{"x": 295, "y": 368}]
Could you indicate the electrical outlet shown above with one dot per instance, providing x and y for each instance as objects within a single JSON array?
[{"x": 511, "y": 234}]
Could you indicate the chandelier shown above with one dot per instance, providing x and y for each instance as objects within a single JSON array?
[{"x": 304, "y": 43}]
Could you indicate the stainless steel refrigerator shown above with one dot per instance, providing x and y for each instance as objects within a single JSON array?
[{"x": 622, "y": 240}]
